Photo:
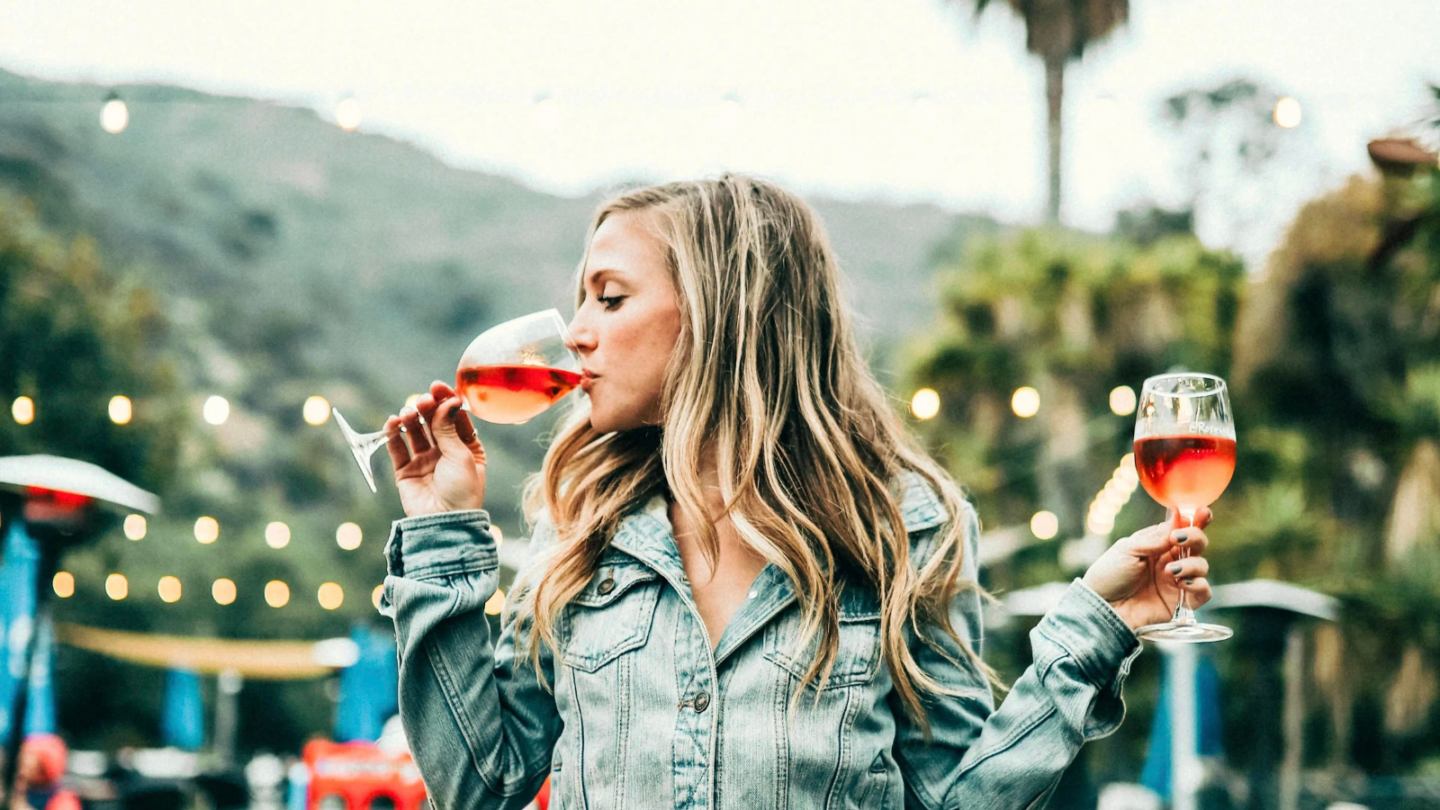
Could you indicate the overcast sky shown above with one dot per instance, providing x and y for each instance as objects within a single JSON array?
[{"x": 901, "y": 99}]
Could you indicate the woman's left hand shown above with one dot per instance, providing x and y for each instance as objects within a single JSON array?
[{"x": 1142, "y": 575}]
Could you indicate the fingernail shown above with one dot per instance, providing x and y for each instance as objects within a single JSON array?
[
  {"x": 1175, "y": 569},
  {"x": 1189, "y": 582},
  {"x": 1182, "y": 535}
]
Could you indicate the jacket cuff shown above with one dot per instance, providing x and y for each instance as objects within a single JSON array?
[
  {"x": 444, "y": 544},
  {"x": 1085, "y": 626}
]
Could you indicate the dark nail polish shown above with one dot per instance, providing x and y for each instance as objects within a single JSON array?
[
  {"x": 1182, "y": 535},
  {"x": 1175, "y": 569},
  {"x": 1189, "y": 582}
]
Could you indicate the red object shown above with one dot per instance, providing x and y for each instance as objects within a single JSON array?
[
  {"x": 508, "y": 395},
  {"x": 354, "y": 775},
  {"x": 1185, "y": 471},
  {"x": 48, "y": 753},
  {"x": 542, "y": 799},
  {"x": 63, "y": 800}
]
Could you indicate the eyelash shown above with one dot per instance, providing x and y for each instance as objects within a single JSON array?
[{"x": 610, "y": 302}]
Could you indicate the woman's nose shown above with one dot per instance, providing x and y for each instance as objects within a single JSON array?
[{"x": 582, "y": 338}]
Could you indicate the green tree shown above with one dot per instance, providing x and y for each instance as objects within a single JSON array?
[
  {"x": 1059, "y": 31},
  {"x": 1073, "y": 316}
]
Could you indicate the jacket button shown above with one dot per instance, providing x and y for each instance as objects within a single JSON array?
[
  {"x": 606, "y": 586},
  {"x": 701, "y": 702}
]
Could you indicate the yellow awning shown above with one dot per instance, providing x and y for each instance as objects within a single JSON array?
[{"x": 259, "y": 660}]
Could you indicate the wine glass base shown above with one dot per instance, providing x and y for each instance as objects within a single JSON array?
[
  {"x": 358, "y": 448},
  {"x": 1192, "y": 632}
]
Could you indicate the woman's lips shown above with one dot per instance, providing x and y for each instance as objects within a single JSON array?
[{"x": 587, "y": 381}]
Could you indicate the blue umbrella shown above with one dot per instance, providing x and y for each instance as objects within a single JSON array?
[
  {"x": 17, "y": 621},
  {"x": 183, "y": 722},
  {"x": 1156, "y": 774},
  {"x": 368, "y": 688}
]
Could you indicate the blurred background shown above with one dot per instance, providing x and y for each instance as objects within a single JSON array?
[{"x": 217, "y": 222}]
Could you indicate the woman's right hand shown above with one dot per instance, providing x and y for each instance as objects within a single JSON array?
[{"x": 442, "y": 467}]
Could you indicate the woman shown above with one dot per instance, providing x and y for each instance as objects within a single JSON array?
[{"x": 757, "y": 589}]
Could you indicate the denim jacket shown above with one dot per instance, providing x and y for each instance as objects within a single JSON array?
[{"x": 643, "y": 710}]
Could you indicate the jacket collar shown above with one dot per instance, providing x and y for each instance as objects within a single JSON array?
[{"x": 648, "y": 536}]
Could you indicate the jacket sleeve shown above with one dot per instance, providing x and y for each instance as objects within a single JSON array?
[
  {"x": 480, "y": 725},
  {"x": 1013, "y": 756}
]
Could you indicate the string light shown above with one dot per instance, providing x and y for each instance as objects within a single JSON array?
[
  {"x": 277, "y": 594},
  {"x": 1287, "y": 113},
  {"x": 277, "y": 535},
  {"x": 1044, "y": 525},
  {"x": 207, "y": 530},
  {"x": 216, "y": 410},
  {"x": 121, "y": 410},
  {"x": 348, "y": 536},
  {"x": 169, "y": 589},
  {"x": 316, "y": 410},
  {"x": 23, "y": 410},
  {"x": 1122, "y": 400},
  {"x": 1025, "y": 402},
  {"x": 1100, "y": 518},
  {"x": 64, "y": 584},
  {"x": 347, "y": 114},
  {"x": 114, "y": 115},
  {"x": 925, "y": 403},
  {"x": 135, "y": 527},
  {"x": 495, "y": 603},
  {"x": 223, "y": 590},
  {"x": 331, "y": 596},
  {"x": 117, "y": 587}
]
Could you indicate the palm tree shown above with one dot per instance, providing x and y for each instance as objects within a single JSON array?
[{"x": 1059, "y": 31}]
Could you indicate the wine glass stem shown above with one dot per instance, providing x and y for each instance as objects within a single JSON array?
[{"x": 1183, "y": 613}]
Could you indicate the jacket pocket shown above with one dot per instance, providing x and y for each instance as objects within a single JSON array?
[
  {"x": 856, "y": 659},
  {"x": 875, "y": 787},
  {"x": 611, "y": 616}
]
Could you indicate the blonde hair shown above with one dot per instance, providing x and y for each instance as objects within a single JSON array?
[{"x": 767, "y": 377}]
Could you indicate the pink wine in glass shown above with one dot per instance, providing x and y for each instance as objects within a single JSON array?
[
  {"x": 511, "y": 394},
  {"x": 1185, "y": 471}
]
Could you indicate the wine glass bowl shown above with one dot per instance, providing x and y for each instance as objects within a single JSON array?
[
  {"x": 509, "y": 374},
  {"x": 1185, "y": 457}
]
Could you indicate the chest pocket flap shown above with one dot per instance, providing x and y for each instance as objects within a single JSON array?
[
  {"x": 858, "y": 656},
  {"x": 611, "y": 615}
]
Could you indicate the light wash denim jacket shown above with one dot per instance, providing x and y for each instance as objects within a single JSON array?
[{"x": 645, "y": 712}]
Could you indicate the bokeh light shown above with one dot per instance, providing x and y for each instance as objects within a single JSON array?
[
  {"x": 277, "y": 535},
  {"x": 925, "y": 404},
  {"x": 375, "y": 596},
  {"x": 1025, "y": 402},
  {"x": 277, "y": 594},
  {"x": 495, "y": 603},
  {"x": 223, "y": 590},
  {"x": 1287, "y": 113},
  {"x": 316, "y": 410},
  {"x": 411, "y": 400},
  {"x": 117, "y": 587},
  {"x": 135, "y": 527},
  {"x": 331, "y": 596},
  {"x": 114, "y": 116},
  {"x": 169, "y": 589},
  {"x": 347, "y": 114},
  {"x": 348, "y": 536},
  {"x": 216, "y": 410},
  {"x": 1122, "y": 400},
  {"x": 1044, "y": 525},
  {"x": 207, "y": 530},
  {"x": 64, "y": 584},
  {"x": 23, "y": 409},
  {"x": 121, "y": 410}
]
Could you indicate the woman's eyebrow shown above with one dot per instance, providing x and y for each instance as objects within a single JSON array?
[{"x": 597, "y": 275}]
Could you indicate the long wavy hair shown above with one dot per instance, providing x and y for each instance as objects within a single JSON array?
[{"x": 766, "y": 381}]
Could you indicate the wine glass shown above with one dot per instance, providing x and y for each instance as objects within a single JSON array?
[
  {"x": 1185, "y": 455},
  {"x": 508, "y": 375}
]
